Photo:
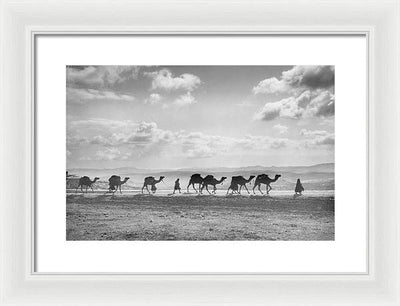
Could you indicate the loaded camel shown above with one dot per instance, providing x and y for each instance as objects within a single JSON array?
[
  {"x": 150, "y": 180},
  {"x": 210, "y": 180},
  {"x": 239, "y": 181},
  {"x": 115, "y": 182},
  {"x": 265, "y": 179},
  {"x": 85, "y": 181}
]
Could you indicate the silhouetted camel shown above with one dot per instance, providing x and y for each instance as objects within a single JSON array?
[
  {"x": 265, "y": 179},
  {"x": 210, "y": 180},
  {"x": 239, "y": 181},
  {"x": 85, "y": 181},
  {"x": 115, "y": 182},
  {"x": 195, "y": 179},
  {"x": 234, "y": 187},
  {"x": 150, "y": 180}
]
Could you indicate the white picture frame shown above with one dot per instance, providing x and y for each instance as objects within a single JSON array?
[{"x": 21, "y": 21}]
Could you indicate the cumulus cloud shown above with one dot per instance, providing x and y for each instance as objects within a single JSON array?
[
  {"x": 139, "y": 138},
  {"x": 184, "y": 100},
  {"x": 310, "y": 90},
  {"x": 117, "y": 133},
  {"x": 323, "y": 105},
  {"x": 100, "y": 76},
  {"x": 163, "y": 79},
  {"x": 281, "y": 129},
  {"x": 154, "y": 98},
  {"x": 312, "y": 77},
  {"x": 271, "y": 85},
  {"x": 307, "y": 104},
  {"x": 317, "y": 137},
  {"x": 77, "y": 95},
  {"x": 298, "y": 79}
]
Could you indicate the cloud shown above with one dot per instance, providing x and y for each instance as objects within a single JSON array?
[
  {"x": 327, "y": 140},
  {"x": 184, "y": 100},
  {"x": 200, "y": 145},
  {"x": 310, "y": 89},
  {"x": 308, "y": 133},
  {"x": 298, "y": 79},
  {"x": 308, "y": 104},
  {"x": 100, "y": 124},
  {"x": 279, "y": 143},
  {"x": 262, "y": 143},
  {"x": 111, "y": 154},
  {"x": 116, "y": 133},
  {"x": 163, "y": 79},
  {"x": 270, "y": 111},
  {"x": 121, "y": 140},
  {"x": 323, "y": 105},
  {"x": 200, "y": 152},
  {"x": 271, "y": 85},
  {"x": 154, "y": 98},
  {"x": 317, "y": 137},
  {"x": 76, "y": 140},
  {"x": 281, "y": 129},
  {"x": 76, "y": 95},
  {"x": 100, "y": 76},
  {"x": 313, "y": 77}
]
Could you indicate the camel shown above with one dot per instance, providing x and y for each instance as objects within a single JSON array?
[
  {"x": 210, "y": 180},
  {"x": 85, "y": 181},
  {"x": 265, "y": 179},
  {"x": 234, "y": 187},
  {"x": 195, "y": 179},
  {"x": 115, "y": 183},
  {"x": 239, "y": 181},
  {"x": 150, "y": 180}
]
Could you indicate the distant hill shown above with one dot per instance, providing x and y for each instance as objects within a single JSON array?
[
  {"x": 318, "y": 168},
  {"x": 328, "y": 167}
]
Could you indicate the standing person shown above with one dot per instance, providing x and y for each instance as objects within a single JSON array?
[
  {"x": 177, "y": 186},
  {"x": 299, "y": 187}
]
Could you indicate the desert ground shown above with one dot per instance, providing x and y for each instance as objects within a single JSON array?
[{"x": 95, "y": 216}]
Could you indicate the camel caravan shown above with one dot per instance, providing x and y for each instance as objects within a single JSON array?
[{"x": 209, "y": 181}]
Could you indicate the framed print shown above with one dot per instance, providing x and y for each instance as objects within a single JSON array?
[
  {"x": 138, "y": 133},
  {"x": 220, "y": 153}
]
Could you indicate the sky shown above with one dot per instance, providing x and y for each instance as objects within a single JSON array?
[{"x": 172, "y": 117}]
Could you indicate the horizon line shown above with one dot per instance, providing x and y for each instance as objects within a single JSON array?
[{"x": 188, "y": 168}]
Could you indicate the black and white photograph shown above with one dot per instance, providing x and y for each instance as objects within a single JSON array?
[{"x": 195, "y": 153}]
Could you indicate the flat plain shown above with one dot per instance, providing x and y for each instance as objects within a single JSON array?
[{"x": 95, "y": 216}]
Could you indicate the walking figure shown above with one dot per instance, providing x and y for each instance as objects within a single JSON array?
[
  {"x": 177, "y": 186},
  {"x": 299, "y": 187}
]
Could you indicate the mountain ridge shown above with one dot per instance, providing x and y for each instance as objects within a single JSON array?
[{"x": 316, "y": 168}]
